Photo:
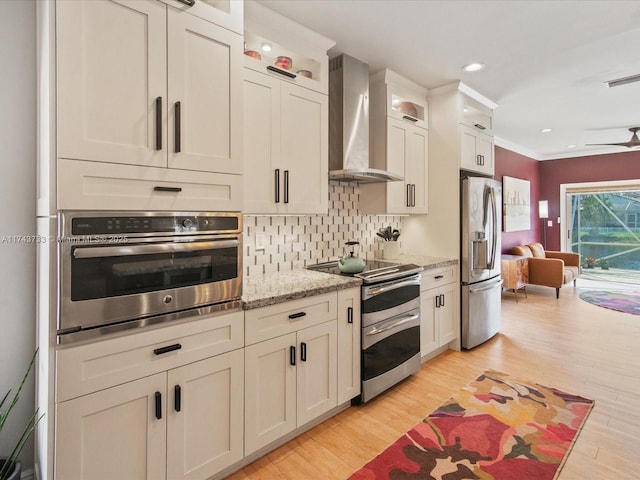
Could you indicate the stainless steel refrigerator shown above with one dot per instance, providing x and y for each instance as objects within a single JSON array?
[{"x": 481, "y": 284}]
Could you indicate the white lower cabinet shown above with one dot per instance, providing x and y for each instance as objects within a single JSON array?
[
  {"x": 303, "y": 359},
  {"x": 161, "y": 403},
  {"x": 440, "y": 320},
  {"x": 187, "y": 420}
]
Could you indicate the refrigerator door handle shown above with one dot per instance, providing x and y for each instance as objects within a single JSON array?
[
  {"x": 491, "y": 196},
  {"x": 488, "y": 287}
]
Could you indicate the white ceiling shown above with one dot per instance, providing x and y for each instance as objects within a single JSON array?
[{"x": 546, "y": 61}]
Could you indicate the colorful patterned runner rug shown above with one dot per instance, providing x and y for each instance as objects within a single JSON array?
[
  {"x": 497, "y": 427},
  {"x": 627, "y": 302}
]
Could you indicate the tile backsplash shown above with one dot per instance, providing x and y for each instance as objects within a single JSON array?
[{"x": 297, "y": 241}]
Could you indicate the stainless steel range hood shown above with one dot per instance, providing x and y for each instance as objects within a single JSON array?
[{"x": 349, "y": 123}]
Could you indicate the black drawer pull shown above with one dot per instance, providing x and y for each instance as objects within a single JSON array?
[
  {"x": 293, "y": 316},
  {"x": 292, "y": 355},
  {"x": 167, "y": 349},
  {"x": 281, "y": 72},
  {"x": 438, "y": 277},
  {"x": 442, "y": 300},
  {"x": 479, "y": 126},
  {"x": 410, "y": 118},
  {"x": 303, "y": 351},
  {"x": 437, "y": 301},
  {"x": 189, "y": 3},
  {"x": 286, "y": 186},
  {"x": 177, "y": 398},
  {"x": 349, "y": 314},
  {"x": 277, "y": 185},
  {"x": 167, "y": 189},
  {"x": 158, "y": 405}
]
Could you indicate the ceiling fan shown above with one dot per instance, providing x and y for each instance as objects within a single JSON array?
[{"x": 634, "y": 142}]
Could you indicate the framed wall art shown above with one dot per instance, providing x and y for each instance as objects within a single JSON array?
[{"x": 516, "y": 198}]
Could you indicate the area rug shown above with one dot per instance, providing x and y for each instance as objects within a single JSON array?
[
  {"x": 627, "y": 302},
  {"x": 495, "y": 428}
]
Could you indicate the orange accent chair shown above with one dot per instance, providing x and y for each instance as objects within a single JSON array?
[{"x": 549, "y": 268}]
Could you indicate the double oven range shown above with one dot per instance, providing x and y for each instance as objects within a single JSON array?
[
  {"x": 390, "y": 323},
  {"x": 121, "y": 270}
]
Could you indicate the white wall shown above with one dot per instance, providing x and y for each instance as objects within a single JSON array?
[{"x": 18, "y": 215}]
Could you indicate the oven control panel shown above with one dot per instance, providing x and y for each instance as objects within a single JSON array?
[{"x": 154, "y": 224}]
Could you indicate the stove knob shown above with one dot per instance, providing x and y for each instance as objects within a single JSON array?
[{"x": 187, "y": 223}]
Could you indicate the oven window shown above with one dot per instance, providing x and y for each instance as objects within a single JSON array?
[
  {"x": 390, "y": 299},
  {"x": 390, "y": 352},
  {"x": 113, "y": 276}
]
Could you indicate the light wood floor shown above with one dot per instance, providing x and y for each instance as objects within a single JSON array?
[{"x": 567, "y": 343}]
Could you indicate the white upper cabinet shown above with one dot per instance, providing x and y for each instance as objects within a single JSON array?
[
  {"x": 149, "y": 84},
  {"x": 476, "y": 151},
  {"x": 398, "y": 141},
  {"x": 162, "y": 89},
  {"x": 286, "y": 116}
]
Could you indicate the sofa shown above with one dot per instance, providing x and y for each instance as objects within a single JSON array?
[{"x": 549, "y": 268}]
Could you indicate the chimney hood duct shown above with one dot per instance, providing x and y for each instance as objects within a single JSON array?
[{"x": 349, "y": 123}]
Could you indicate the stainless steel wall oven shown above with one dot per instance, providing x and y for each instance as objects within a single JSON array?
[{"x": 126, "y": 269}]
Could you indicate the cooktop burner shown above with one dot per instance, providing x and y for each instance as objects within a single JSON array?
[{"x": 374, "y": 270}]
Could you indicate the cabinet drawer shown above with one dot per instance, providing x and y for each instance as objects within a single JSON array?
[
  {"x": 87, "y": 185},
  {"x": 438, "y": 276},
  {"x": 91, "y": 367},
  {"x": 275, "y": 320}
]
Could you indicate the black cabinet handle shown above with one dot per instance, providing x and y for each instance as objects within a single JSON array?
[
  {"x": 292, "y": 355},
  {"x": 438, "y": 277},
  {"x": 410, "y": 118},
  {"x": 437, "y": 301},
  {"x": 159, "y": 123},
  {"x": 408, "y": 194},
  {"x": 167, "y": 349},
  {"x": 177, "y": 127},
  {"x": 277, "y": 186},
  {"x": 293, "y": 316},
  {"x": 281, "y": 72},
  {"x": 167, "y": 189},
  {"x": 478, "y": 160},
  {"x": 479, "y": 126},
  {"x": 158, "y": 405},
  {"x": 303, "y": 351},
  {"x": 413, "y": 194},
  {"x": 189, "y": 3},
  {"x": 350, "y": 315},
  {"x": 177, "y": 398},
  {"x": 442, "y": 300},
  {"x": 286, "y": 186}
]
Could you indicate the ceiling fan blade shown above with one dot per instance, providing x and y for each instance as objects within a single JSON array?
[{"x": 622, "y": 144}]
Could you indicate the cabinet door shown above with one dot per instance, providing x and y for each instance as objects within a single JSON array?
[
  {"x": 469, "y": 159},
  {"x": 263, "y": 183},
  {"x": 205, "y": 427},
  {"x": 108, "y": 80},
  {"x": 204, "y": 95},
  {"x": 317, "y": 371},
  {"x": 484, "y": 147},
  {"x": 113, "y": 432},
  {"x": 270, "y": 391},
  {"x": 348, "y": 344},
  {"x": 428, "y": 322},
  {"x": 448, "y": 321},
  {"x": 397, "y": 144},
  {"x": 304, "y": 147},
  {"x": 417, "y": 168}
]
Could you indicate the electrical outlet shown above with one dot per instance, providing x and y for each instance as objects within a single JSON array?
[
  {"x": 261, "y": 241},
  {"x": 549, "y": 223}
]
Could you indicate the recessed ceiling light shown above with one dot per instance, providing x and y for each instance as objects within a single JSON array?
[
  {"x": 545, "y": 130},
  {"x": 473, "y": 67},
  {"x": 266, "y": 47},
  {"x": 571, "y": 146}
]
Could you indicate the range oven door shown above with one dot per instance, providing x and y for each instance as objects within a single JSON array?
[
  {"x": 106, "y": 283},
  {"x": 390, "y": 352},
  {"x": 384, "y": 300}
]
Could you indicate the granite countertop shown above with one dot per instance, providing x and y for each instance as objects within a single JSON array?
[
  {"x": 269, "y": 289},
  {"x": 427, "y": 262}
]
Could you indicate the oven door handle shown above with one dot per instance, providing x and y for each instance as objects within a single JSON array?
[
  {"x": 407, "y": 319},
  {"x": 148, "y": 249},
  {"x": 372, "y": 292}
]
